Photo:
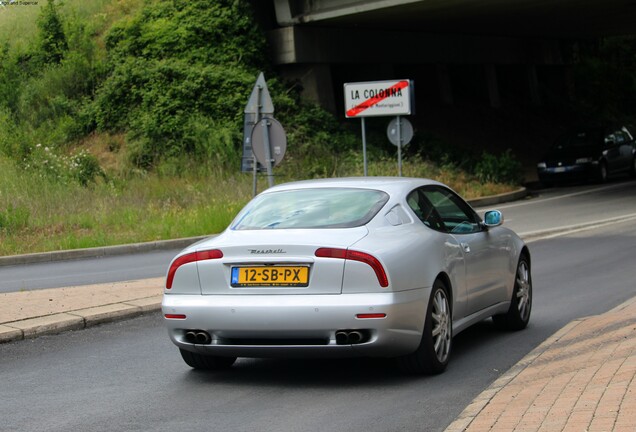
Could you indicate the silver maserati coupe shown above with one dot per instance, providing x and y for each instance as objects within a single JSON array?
[{"x": 369, "y": 266}]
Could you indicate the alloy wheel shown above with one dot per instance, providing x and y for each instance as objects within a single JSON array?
[
  {"x": 524, "y": 290},
  {"x": 441, "y": 321}
]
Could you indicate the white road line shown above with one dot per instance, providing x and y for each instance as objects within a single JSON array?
[
  {"x": 565, "y": 230},
  {"x": 542, "y": 200}
]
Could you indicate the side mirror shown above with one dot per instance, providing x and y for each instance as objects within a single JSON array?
[{"x": 493, "y": 218}]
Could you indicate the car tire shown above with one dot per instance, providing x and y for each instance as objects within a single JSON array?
[
  {"x": 632, "y": 170},
  {"x": 206, "y": 362},
  {"x": 518, "y": 314},
  {"x": 433, "y": 353}
]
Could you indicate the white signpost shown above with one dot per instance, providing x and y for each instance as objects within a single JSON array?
[{"x": 379, "y": 99}]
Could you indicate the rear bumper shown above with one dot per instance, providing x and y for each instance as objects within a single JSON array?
[{"x": 299, "y": 325}]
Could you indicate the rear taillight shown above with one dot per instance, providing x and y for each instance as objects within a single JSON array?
[
  {"x": 188, "y": 258},
  {"x": 356, "y": 256}
]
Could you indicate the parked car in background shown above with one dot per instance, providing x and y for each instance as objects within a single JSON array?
[
  {"x": 589, "y": 153},
  {"x": 372, "y": 266}
]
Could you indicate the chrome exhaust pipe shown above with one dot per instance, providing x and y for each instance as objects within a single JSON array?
[
  {"x": 191, "y": 337},
  {"x": 342, "y": 338},
  {"x": 203, "y": 338},
  {"x": 355, "y": 337}
]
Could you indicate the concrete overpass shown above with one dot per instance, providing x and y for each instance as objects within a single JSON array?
[
  {"x": 495, "y": 51},
  {"x": 534, "y": 18}
]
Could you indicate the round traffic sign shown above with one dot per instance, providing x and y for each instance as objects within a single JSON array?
[
  {"x": 406, "y": 131},
  {"x": 276, "y": 137}
]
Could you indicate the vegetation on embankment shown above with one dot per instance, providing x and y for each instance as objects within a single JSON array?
[{"x": 122, "y": 121}]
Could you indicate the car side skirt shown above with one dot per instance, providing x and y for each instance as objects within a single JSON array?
[{"x": 464, "y": 323}]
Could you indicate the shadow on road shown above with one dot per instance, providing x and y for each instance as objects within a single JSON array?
[{"x": 347, "y": 372}]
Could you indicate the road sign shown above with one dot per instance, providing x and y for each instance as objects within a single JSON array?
[
  {"x": 259, "y": 106},
  {"x": 378, "y": 98},
  {"x": 248, "y": 160},
  {"x": 269, "y": 141},
  {"x": 260, "y": 102},
  {"x": 403, "y": 134}
]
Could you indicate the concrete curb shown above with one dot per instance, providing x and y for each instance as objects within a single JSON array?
[
  {"x": 77, "y": 319},
  {"x": 500, "y": 198},
  {"x": 98, "y": 251}
]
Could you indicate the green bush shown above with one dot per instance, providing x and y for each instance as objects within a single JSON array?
[
  {"x": 45, "y": 87},
  {"x": 504, "y": 168},
  {"x": 85, "y": 168},
  {"x": 46, "y": 162},
  {"x": 9, "y": 79},
  {"x": 179, "y": 76}
]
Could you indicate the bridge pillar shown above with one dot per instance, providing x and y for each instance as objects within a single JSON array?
[{"x": 316, "y": 81}]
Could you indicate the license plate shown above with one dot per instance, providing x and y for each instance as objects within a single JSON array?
[
  {"x": 560, "y": 169},
  {"x": 270, "y": 276}
]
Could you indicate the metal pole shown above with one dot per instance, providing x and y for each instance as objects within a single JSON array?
[
  {"x": 268, "y": 153},
  {"x": 364, "y": 146},
  {"x": 399, "y": 140},
  {"x": 254, "y": 169},
  {"x": 255, "y": 162}
]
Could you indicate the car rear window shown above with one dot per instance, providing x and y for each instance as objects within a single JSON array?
[
  {"x": 581, "y": 138},
  {"x": 311, "y": 208}
]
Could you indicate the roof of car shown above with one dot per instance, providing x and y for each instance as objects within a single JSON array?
[{"x": 387, "y": 184}]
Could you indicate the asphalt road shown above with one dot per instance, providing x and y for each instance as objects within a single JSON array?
[
  {"x": 560, "y": 208},
  {"x": 85, "y": 271},
  {"x": 128, "y": 376}
]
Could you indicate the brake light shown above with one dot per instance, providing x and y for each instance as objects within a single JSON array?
[
  {"x": 188, "y": 258},
  {"x": 356, "y": 256}
]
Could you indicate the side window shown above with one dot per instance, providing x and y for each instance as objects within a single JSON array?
[
  {"x": 423, "y": 209},
  {"x": 456, "y": 216},
  {"x": 620, "y": 137}
]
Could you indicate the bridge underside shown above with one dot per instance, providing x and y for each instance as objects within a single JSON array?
[
  {"x": 455, "y": 43},
  {"x": 461, "y": 54},
  {"x": 527, "y": 18}
]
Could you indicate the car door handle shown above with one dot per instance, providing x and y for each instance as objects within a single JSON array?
[{"x": 466, "y": 247}]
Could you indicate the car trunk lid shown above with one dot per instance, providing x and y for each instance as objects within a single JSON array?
[{"x": 277, "y": 262}]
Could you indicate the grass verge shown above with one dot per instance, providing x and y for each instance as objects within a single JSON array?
[{"x": 38, "y": 214}]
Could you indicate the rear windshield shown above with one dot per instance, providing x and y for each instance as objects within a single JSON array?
[
  {"x": 581, "y": 138},
  {"x": 311, "y": 208}
]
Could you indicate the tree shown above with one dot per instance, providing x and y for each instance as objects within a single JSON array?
[{"x": 52, "y": 40}]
